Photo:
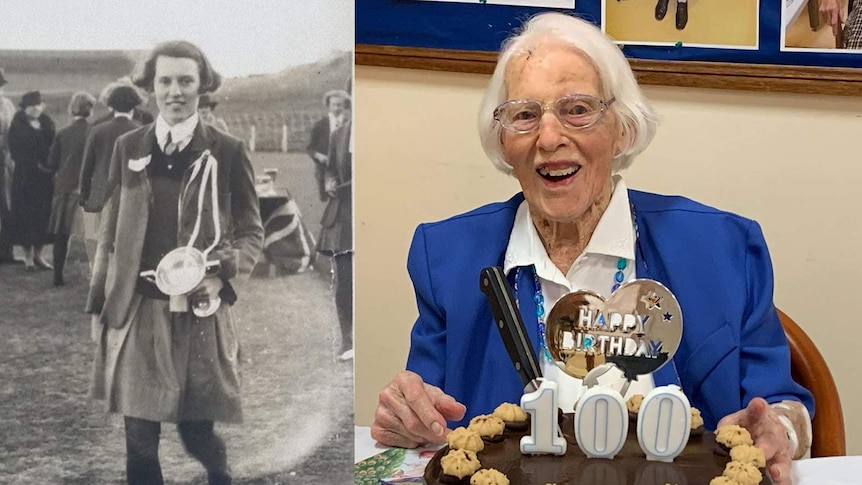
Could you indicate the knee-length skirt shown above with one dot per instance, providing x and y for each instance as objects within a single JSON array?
[{"x": 169, "y": 367}]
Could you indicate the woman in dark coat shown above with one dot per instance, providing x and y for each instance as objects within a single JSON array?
[
  {"x": 157, "y": 360},
  {"x": 30, "y": 136},
  {"x": 336, "y": 233},
  {"x": 64, "y": 161}
]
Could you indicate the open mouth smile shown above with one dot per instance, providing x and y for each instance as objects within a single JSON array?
[{"x": 558, "y": 174}]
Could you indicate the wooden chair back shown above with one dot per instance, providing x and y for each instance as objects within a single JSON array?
[{"x": 809, "y": 369}]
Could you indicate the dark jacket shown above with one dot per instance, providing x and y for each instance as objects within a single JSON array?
[
  {"x": 93, "y": 176},
  {"x": 336, "y": 233},
  {"x": 32, "y": 186},
  {"x": 118, "y": 257},
  {"x": 67, "y": 153},
  {"x": 140, "y": 115}
]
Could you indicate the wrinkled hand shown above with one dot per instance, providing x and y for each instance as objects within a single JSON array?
[
  {"x": 769, "y": 435},
  {"x": 411, "y": 413},
  {"x": 834, "y": 14},
  {"x": 206, "y": 291}
]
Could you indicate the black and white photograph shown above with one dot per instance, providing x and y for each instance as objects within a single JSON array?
[{"x": 176, "y": 250}]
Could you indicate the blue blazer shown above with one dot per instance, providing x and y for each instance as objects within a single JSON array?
[{"x": 716, "y": 263}]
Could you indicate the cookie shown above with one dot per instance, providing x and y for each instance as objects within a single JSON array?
[
  {"x": 723, "y": 480},
  {"x": 744, "y": 473},
  {"x": 731, "y": 435},
  {"x": 748, "y": 454},
  {"x": 489, "y": 427},
  {"x": 696, "y": 422},
  {"x": 462, "y": 438},
  {"x": 458, "y": 464},
  {"x": 514, "y": 418},
  {"x": 489, "y": 477},
  {"x": 633, "y": 405}
]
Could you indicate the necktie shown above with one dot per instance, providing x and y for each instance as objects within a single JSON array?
[{"x": 170, "y": 146}]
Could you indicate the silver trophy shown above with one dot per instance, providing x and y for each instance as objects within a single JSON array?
[{"x": 182, "y": 269}]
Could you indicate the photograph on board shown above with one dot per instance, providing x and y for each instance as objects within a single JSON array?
[
  {"x": 692, "y": 23},
  {"x": 821, "y": 26}
]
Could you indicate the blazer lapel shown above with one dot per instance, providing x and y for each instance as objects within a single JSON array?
[
  {"x": 648, "y": 265},
  {"x": 200, "y": 141}
]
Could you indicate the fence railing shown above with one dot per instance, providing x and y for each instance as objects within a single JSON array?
[{"x": 274, "y": 130}]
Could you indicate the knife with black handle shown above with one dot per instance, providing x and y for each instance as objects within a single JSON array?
[{"x": 493, "y": 284}]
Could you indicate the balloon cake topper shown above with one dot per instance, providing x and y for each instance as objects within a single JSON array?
[{"x": 638, "y": 329}]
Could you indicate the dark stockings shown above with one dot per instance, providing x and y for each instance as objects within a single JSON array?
[
  {"x": 342, "y": 282},
  {"x": 199, "y": 440},
  {"x": 61, "y": 249}
]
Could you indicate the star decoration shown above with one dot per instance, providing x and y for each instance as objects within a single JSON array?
[
  {"x": 667, "y": 317},
  {"x": 652, "y": 301}
]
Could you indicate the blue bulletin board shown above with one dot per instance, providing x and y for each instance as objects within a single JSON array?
[{"x": 464, "y": 36}]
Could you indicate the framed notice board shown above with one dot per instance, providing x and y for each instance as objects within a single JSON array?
[{"x": 765, "y": 45}]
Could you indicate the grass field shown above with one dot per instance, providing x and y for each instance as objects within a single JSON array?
[{"x": 298, "y": 400}]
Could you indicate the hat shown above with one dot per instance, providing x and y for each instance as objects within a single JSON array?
[
  {"x": 206, "y": 100},
  {"x": 124, "y": 99},
  {"x": 30, "y": 98},
  {"x": 3, "y": 80}
]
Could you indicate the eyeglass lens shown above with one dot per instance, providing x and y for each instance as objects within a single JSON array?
[{"x": 575, "y": 111}]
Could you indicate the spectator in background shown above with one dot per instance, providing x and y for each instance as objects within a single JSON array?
[
  {"x": 64, "y": 161},
  {"x": 30, "y": 136},
  {"x": 338, "y": 105},
  {"x": 336, "y": 233},
  {"x": 140, "y": 115},
  {"x": 93, "y": 177},
  {"x": 206, "y": 109},
  {"x": 7, "y": 112}
]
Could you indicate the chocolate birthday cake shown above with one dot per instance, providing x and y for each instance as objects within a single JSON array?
[{"x": 698, "y": 464}]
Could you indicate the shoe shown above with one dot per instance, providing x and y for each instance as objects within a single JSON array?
[
  {"x": 29, "y": 267},
  {"x": 346, "y": 355},
  {"x": 42, "y": 264},
  {"x": 681, "y": 15},
  {"x": 661, "y": 9},
  {"x": 58, "y": 282}
]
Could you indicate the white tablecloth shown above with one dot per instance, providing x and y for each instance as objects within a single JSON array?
[
  {"x": 835, "y": 470},
  {"x": 838, "y": 470}
]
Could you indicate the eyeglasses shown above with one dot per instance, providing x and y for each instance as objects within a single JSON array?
[{"x": 573, "y": 111}]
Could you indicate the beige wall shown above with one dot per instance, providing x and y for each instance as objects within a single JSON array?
[{"x": 788, "y": 161}]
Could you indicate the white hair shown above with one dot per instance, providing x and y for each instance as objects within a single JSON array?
[{"x": 637, "y": 118}]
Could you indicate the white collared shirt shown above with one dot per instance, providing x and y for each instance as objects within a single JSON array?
[
  {"x": 181, "y": 133},
  {"x": 594, "y": 269},
  {"x": 119, "y": 114},
  {"x": 335, "y": 122}
]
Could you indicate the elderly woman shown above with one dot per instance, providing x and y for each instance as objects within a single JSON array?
[
  {"x": 564, "y": 114},
  {"x": 64, "y": 161},
  {"x": 31, "y": 134},
  {"x": 158, "y": 358}
]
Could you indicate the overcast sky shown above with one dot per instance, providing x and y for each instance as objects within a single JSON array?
[{"x": 240, "y": 37}]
